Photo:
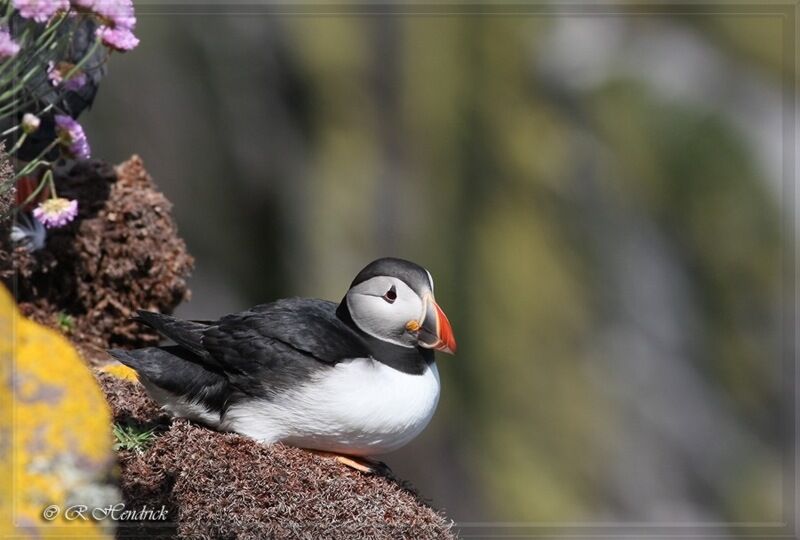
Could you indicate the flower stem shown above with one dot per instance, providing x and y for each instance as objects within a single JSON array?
[
  {"x": 29, "y": 198},
  {"x": 18, "y": 144},
  {"x": 83, "y": 60},
  {"x": 12, "y": 91},
  {"x": 9, "y": 11},
  {"x": 47, "y": 40},
  {"x": 48, "y": 175},
  {"x": 37, "y": 161}
]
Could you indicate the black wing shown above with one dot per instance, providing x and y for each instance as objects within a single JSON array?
[
  {"x": 266, "y": 348},
  {"x": 187, "y": 334},
  {"x": 307, "y": 326},
  {"x": 276, "y": 345}
]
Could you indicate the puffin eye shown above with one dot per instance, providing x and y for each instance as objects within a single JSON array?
[{"x": 391, "y": 295}]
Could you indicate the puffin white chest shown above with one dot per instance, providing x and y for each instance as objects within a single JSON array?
[{"x": 358, "y": 407}]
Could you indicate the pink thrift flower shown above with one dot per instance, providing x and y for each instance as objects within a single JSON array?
[
  {"x": 119, "y": 21},
  {"x": 56, "y": 212},
  {"x": 57, "y": 72},
  {"x": 117, "y": 13},
  {"x": 73, "y": 137},
  {"x": 118, "y": 38},
  {"x": 8, "y": 47},
  {"x": 40, "y": 10},
  {"x": 54, "y": 74}
]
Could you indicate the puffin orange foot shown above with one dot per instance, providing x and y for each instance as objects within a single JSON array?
[{"x": 362, "y": 464}]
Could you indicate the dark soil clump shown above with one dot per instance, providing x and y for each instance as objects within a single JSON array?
[{"x": 121, "y": 253}]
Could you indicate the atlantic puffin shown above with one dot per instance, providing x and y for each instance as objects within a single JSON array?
[{"x": 349, "y": 380}]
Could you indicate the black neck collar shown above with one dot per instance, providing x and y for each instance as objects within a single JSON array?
[{"x": 411, "y": 360}]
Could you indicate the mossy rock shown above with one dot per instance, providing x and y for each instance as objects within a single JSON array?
[{"x": 55, "y": 438}]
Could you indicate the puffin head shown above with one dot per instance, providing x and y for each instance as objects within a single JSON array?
[{"x": 392, "y": 300}]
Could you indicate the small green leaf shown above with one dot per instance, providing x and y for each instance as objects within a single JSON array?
[
  {"x": 132, "y": 438},
  {"x": 66, "y": 322}
]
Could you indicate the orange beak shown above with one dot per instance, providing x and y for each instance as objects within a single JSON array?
[{"x": 435, "y": 331}]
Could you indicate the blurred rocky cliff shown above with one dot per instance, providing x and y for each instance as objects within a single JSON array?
[{"x": 599, "y": 198}]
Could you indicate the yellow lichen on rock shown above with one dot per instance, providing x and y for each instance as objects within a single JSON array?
[
  {"x": 55, "y": 437},
  {"x": 120, "y": 372}
]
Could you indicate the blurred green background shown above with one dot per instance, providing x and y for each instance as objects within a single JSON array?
[{"x": 599, "y": 196}]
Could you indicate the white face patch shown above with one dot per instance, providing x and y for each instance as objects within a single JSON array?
[
  {"x": 430, "y": 280},
  {"x": 382, "y": 306}
]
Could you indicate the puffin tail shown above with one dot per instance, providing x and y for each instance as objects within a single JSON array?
[
  {"x": 187, "y": 334},
  {"x": 178, "y": 382}
]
